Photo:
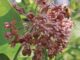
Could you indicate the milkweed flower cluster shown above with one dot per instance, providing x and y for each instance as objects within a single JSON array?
[{"x": 50, "y": 30}]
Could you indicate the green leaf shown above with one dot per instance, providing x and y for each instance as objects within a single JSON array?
[
  {"x": 59, "y": 57},
  {"x": 9, "y": 51},
  {"x": 73, "y": 4},
  {"x": 4, "y": 57},
  {"x": 4, "y": 7},
  {"x": 75, "y": 31},
  {"x": 12, "y": 14}
]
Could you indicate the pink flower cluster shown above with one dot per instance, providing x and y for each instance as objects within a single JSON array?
[{"x": 50, "y": 30}]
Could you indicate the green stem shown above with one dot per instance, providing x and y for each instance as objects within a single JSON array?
[
  {"x": 45, "y": 57},
  {"x": 15, "y": 57}
]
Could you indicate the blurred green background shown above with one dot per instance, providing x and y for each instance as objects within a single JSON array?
[{"x": 7, "y": 13}]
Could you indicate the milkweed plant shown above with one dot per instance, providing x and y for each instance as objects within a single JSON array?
[{"x": 48, "y": 29}]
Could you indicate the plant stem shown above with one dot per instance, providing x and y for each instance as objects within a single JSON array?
[{"x": 15, "y": 57}]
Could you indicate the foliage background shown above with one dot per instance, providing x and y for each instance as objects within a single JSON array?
[{"x": 7, "y": 13}]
